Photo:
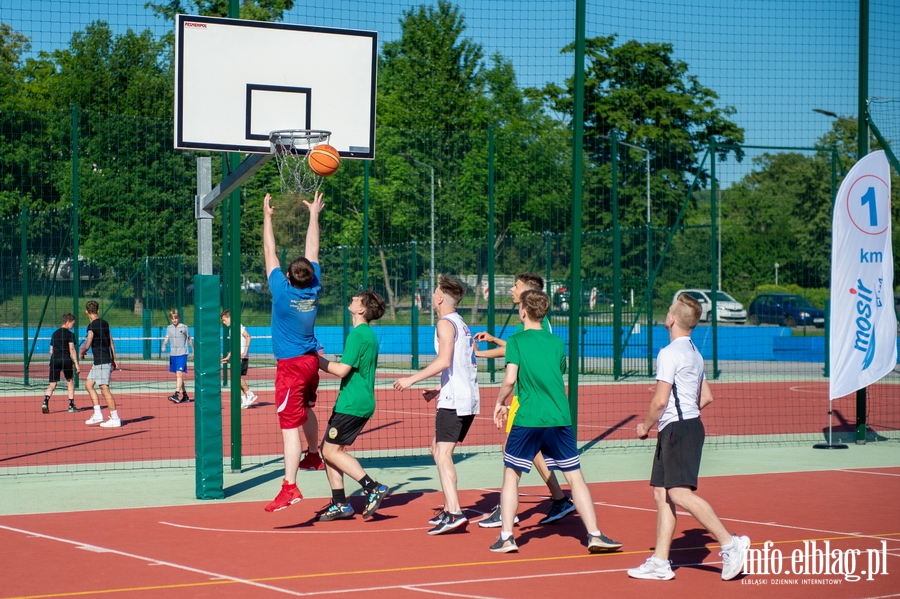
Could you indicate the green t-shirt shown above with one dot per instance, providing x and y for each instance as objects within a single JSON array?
[
  {"x": 357, "y": 394},
  {"x": 545, "y": 324},
  {"x": 541, "y": 358}
]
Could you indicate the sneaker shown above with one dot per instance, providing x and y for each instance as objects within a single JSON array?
[
  {"x": 493, "y": 519},
  {"x": 112, "y": 423},
  {"x": 312, "y": 461},
  {"x": 653, "y": 569},
  {"x": 336, "y": 511},
  {"x": 72, "y": 408},
  {"x": 373, "y": 501},
  {"x": 439, "y": 517},
  {"x": 45, "y": 408},
  {"x": 184, "y": 397},
  {"x": 733, "y": 558},
  {"x": 286, "y": 498},
  {"x": 97, "y": 418},
  {"x": 174, "y": 398},
  {"x": 558, "y": 511},
  {"x": 601, "y": 543},
  {"x": 450, "y": 522},
  {"x": 507, "y": 546},
  {"x": 251, "y": 398}
]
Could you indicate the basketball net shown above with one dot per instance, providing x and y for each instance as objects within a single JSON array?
[{"x": 291, "y": 148}]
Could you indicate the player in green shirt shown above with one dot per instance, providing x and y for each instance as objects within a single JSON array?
[
  {"x": 355, "y": 405},
  {"x": 562, "y": 506},
  {"x": 536, "y": 361}
]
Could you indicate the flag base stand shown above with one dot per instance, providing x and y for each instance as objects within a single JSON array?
[{"x": 830, "y": 444}]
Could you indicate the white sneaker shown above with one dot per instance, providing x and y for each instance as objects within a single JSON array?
[
  {"x": 653, "y": 569},
  {"x": 97, "y": 418},
  {"x": 733, "y": 557},
  {"x": 112, "y": 423},
  {"x": 251, "y": 397}
]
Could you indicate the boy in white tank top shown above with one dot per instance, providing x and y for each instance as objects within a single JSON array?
[{"x": 458, "y": 397}]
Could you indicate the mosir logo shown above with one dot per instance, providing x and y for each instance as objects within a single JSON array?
[
  {"x": 815, "y": 560},
  {"x": 199, "y": 25},
  {"x": 865, "y": 340}
]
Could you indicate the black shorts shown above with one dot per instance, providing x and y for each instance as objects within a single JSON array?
[
  {"x": 245, "y": 364},
  {"x": 450, "y": 428},
  {"x": 61, "y": 367},
  {"x": 343, "y": 428},
  {"x": 676, "y": 462}
]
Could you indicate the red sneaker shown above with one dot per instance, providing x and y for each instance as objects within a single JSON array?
[
  {"x": 312, "y": 461},
  {"x": 288, "y": 496}
]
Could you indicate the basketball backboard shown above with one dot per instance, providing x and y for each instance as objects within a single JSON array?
[{"x": 237, "y": 80}]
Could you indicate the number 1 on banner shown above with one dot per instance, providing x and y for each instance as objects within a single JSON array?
[{"x": 869, "y": 198}]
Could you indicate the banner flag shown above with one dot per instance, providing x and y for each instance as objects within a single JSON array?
[{"x": 863, "y": 344}]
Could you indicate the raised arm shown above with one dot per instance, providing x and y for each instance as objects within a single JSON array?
[
  {"x": 269, "y": 252},
  {"x": 312, "y": 232}
]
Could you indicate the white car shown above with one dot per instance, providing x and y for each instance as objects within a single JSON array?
[{"x": 728, "y": 308}]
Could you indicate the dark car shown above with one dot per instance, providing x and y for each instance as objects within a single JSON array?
[
  {"x": 602, "y": 301},
  {"x": 784, "y": 309}
]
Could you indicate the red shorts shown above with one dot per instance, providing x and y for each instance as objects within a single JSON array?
[{"x": 296, "y": 381}]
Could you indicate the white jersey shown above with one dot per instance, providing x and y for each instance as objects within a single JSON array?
[
  {"x": 243, "y": 340},
  {"x": 459, "y": 382},
  {"x": 681, "y": 365}
]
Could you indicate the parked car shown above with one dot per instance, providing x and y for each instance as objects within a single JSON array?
[
  {"x": 728, "y": 309},
  {"x": 785, "y": 309},
  {"x": 602, "y": 301}
]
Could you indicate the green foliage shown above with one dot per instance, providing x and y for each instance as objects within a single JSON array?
[{"x": 253, "y": 10}]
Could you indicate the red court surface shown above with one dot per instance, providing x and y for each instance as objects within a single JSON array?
[
  {"x": 156, "y": 429},
  {"x": 228, "y": 550}
]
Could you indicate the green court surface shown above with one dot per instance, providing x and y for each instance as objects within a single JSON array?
[{"x": 85, "y": 491}]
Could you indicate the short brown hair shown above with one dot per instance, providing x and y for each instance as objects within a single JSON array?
[
  {"x": 686, "y": 310},
  {"x": 92, "y": 307},
  {"x": 373, "y": 303},
  {"x": 532, "y": 280},
  {"x": 174, "y": 313},
  {"x": 300, "y": 273},
  {"x": 68, "y": 317},
  {"x": 451, "y": 287},
  {"x": 226, "y": 313},
  {"x": 535, "y": 303}
]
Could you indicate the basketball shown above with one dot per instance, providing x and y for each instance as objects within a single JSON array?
[{"x": 324, "y": 160}]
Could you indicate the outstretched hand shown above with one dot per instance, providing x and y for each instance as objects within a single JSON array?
[
  {"x": 317, "y": 204},
  {"x": 267, "y": 206}
]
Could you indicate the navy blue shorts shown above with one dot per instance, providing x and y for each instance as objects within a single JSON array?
[
  {"x": 557, "y": 444},
  {"x": 178, "y": 363}
]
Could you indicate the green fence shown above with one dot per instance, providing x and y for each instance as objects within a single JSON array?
[{"x": 702, "y": 166}]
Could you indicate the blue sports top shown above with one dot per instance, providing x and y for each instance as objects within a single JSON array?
[{"x": 294, "y": 314}]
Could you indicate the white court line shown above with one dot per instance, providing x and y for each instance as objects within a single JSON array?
[
  {"x": 289, "y": 532},
  {"x": 153, "y": 562},
  {"x": 867, "y": 472},
  {"x": 445, "y": 593},
  {"x": 774, "y": 524}
]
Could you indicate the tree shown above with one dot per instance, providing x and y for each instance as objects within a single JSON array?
[
  {"x": 12, "y": 45},
  {"x": 253, "y": 10}
]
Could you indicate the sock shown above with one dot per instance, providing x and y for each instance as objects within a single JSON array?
[
  {"x": 505, "y": 535},
  {"x": 46, "y": 399},
  {"x": 96, "y": 409},
  {"x": 367, "y": 483},
  {"x": 72, "y": 400},
  {"x": 114, "y": 414},
  {"x": 338, "y": 496},
  {"x": 558, "y": 501},
  {"x": 596, "y": 533}
]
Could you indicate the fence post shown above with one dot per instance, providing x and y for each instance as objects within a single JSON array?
[
  {"x": 24, "y": 293},
  {"x": 145, "y": 313},
  {"x": 414, "y": 312},
  {"x": 365, "y": 254},
  {"x": 345, "y": 293},
  {"x": 490, "y": 243},
  {"x": 76, "y": 201},
  {"x": 617, "y": 259},
  {"x": 713, "y": 315}
]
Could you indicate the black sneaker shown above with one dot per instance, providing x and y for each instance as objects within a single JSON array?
[
  {"x": 450, "y": 522},
  {"x": 336, "y": 511},
  {"x": 507, "y": 546},
  {"x": 558, "y": 511},
  {"x": 438, "y": 518},
  {"x": 184, "y": 397},
  {"x": 72, "y": 408},
  {"x": 174, "y": 398},
  {"x": 373, "y": 500},
  {"x": 45, "y": 408},
  {"x": 493, "y": 520}
]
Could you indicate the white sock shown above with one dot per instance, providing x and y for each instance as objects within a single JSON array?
[
  {"x": 97, "y": 410},
  {"x": 505, "y": 535},
  {"x": 596, "y": 533},
  {"x": 114, "y": 415}
]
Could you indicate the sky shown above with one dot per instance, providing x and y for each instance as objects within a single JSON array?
[{"x": 772, "y": 60}]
